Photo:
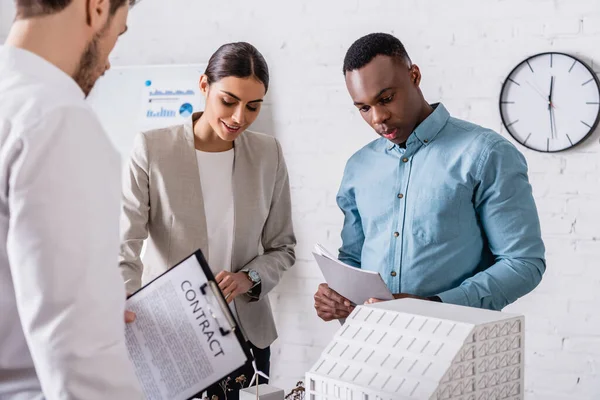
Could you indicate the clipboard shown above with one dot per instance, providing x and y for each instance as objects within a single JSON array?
[{"x": 204, "y": 299}]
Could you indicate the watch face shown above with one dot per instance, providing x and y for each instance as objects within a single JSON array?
[
  {"x": 550, "y": 102},
  {"x": 254, "y": 277}
]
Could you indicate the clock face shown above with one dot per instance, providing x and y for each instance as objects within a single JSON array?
[{"x": 550, "y": 102}]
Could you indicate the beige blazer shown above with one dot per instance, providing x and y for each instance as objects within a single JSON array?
[{"x": 162, "y": 202}]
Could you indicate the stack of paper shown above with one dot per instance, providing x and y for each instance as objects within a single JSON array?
[
  {"x": 319, "y": 249},
  {"x": 355, "y": 284}
]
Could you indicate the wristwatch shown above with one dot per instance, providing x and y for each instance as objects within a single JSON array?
[
  {"x": 254, "y": 278},
  {"x": 254, "y": 291}
]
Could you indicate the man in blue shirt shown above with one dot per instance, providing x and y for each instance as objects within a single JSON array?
[{"x": 440, "y": 207}]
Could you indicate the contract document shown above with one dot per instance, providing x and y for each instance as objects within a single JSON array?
[{"x": 184, "y": 337}]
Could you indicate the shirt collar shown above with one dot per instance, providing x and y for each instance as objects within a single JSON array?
[
  {"x": 28, "y": 63},
  {"x": 427, "y": 130}
]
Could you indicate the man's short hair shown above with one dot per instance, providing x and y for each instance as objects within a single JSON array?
[
  {"x": 365, "y": 49},
  {"x": 37, "y": 8}
]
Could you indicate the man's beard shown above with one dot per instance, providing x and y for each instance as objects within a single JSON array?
[{"x": 90, "y": 67}]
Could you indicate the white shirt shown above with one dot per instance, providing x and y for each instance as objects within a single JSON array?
[
  {"x": 61, "y": 294},
  {"x": 216, "y": 181}
]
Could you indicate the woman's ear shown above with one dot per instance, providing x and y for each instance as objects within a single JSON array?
[{"x": 203, "y": 85}]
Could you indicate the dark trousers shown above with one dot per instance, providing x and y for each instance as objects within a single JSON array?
[{"x": 263, "y": 364}]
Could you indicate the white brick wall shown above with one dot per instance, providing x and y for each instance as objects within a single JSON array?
[{"x": 465, "y": 48}]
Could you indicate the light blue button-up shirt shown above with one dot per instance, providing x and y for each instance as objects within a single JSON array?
[{"x": 452, "y": 215}]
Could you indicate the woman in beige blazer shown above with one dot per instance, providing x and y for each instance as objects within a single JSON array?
[{"x": 213, "y": 185}]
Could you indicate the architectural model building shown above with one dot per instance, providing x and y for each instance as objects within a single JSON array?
[{"x": 413, "y": 349}]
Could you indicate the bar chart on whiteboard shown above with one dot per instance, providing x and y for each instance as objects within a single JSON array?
[
  {"x": 167, "y": 102},
  {"x": 132, "y": 99}
]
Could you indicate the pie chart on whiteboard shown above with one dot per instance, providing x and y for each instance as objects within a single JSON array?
[{"x": 186, "y": 110}]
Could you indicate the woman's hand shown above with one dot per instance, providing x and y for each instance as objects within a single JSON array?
[{"x": 233, "y": 284}]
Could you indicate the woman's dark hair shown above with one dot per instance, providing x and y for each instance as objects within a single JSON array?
[{"x": 241, "y": 60}]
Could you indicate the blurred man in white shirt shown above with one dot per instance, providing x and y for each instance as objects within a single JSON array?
[{"x": 61, "y": 319}]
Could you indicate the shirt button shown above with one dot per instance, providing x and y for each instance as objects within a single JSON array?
[
  {"x": 426, "y": 141},
  {"x": 400, "y": 195},
  {"x": 396, "y": 234},
  {"x": 393, "y": 273},
  {"x": 405, "y": 159}
]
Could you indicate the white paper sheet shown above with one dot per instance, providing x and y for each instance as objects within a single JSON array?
[
  {"x": 176, "y": 343},
  {"x": 355, "y": 284}
]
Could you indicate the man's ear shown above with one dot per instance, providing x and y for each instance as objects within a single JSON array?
[
  {"x": 98, "y": 14},
  {"x": 415, "y": 74}
]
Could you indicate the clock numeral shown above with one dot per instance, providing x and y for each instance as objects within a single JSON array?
[
  {"x": 528, "y": 136},
  {"x": 515, "y": 82},
  {"x": 586, "y": 82},
  {"x": 550, "y": 60},
  {"x": 510, "y": 102},
  {"x": 589, "y": 126},
  {"x": 512, "y": 123},
  {"x": 592, "y": 102},
  {"x": 574, "y": 62},
  {"x": 548, "y": 145},
  {"x": 568, "y": 137}
]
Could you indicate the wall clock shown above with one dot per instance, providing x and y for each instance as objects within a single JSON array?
[{"x": 550, "y": 102}]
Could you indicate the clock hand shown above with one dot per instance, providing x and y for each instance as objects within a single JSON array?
[
  {"x": 553, "y": 112},
  {"x": 552, "y": 84},
  {"x": 551, "y": 91},
  {"x": 551, "y": 122},
  {"x": 550, "y": 108}
]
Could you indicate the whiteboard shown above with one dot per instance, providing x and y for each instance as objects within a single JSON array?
[{"x": 136, "y": 98}]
